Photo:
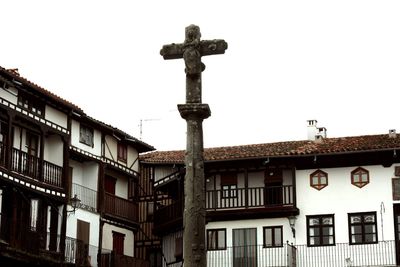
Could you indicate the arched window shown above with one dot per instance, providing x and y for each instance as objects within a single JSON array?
[
  {"x": 359, "y": 177},
  {"x": 318, "y": 179}
]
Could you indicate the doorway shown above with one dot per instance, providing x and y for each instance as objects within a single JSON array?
[
  {"x": 245, "y": 247},
  {"x": 396, "y": 214}
]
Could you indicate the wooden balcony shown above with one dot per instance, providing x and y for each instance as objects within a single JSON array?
[
  {"x": 111, "y": 259},
  {"x": 168, "y": 216},
  {"x": 23, "y": 242},
  {"x": 273, "y": 201},
  {"x": 120, "y": 208},
  {"x": 31, "y": 167},
  {"x": 240, "y": 198}
]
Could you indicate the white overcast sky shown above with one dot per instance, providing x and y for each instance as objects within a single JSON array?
[{"x": 287, "y": 61}]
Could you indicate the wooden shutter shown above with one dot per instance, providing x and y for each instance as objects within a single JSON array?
[
  {"x": 396, "y": 188},
  {"x": 109, "y": 184},
  {"x": 228, "y": 178},
  {"x": 83, "y": 230}
]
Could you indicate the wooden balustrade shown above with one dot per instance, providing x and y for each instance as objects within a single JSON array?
[
  {"x": 120, "y": 207},
  {"x": 250, "y": 197},
  {"x": 29, "y": 165}
]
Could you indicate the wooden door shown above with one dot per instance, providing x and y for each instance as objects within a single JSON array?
[
  {"x": 396, "y": 213},
  {"x": 118, "y": 243},
  {"x": 245, "y": 247},
  {"x": 82, "y": 236}
]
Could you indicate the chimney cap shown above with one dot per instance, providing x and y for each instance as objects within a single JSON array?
[{"x": 392, "y": 133}]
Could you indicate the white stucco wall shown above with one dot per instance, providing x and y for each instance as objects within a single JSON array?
[
  {"x": 111, "y": 147},
  {"x": 340, "y": 197},
  {"x": 121, "y": 187},
  {"x": 10, "y": 94},
  {"x": 133, "y": 158},
  {"x": 85, "y": 174},
  {"x": 56, "y": 116},
  {"x": 108, "y": 238},
  {"x": 53, "y": 150},
  {"x": 86, "y": 216},
  {"x": 75, "y": 130}
]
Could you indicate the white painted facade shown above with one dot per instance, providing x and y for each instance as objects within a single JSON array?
[
  {"x": 108, "y": 238},
  {"x": 56, "y": 116},
  {"x": 340, "y": 197},
  {"x": 10, "y": 94},
  {"x": 75, "y": 132}
]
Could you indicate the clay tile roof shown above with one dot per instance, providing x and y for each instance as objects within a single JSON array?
[
  {"x": 15, "y": 75},
  {"x": 350, "y": 144}
]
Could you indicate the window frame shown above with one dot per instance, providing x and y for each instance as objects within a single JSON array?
[
  {"x": 358, "y": 172},
  {"x": 273, "y": 236},
  {"x": 229, "y": 186},
  {"x": 320, "y": 227},
  {"x": 363, "y": 224},
  {"x": 317, "y": 173},
  {"x": 217, "y": 242},
  {"x": 86, "y": 132},
  {"x": 122, "y": 152}
]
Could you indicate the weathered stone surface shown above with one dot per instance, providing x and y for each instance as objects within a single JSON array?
[{"x": 194, "y": 112}]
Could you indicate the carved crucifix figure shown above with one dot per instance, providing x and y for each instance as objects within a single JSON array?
[{"x": 194, "y": 112}]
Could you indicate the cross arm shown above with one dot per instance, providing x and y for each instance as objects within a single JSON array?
[{"x": 207, "y": 47}]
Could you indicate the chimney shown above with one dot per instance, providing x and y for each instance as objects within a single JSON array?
[
  {"x": 392, "y": 133},
  {"x": 315, "y": 133}
]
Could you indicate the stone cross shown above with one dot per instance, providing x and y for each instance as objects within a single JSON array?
[{"x": 194, "y": 112}]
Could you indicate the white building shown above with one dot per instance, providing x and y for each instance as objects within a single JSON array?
[
  {"x": 318, "y": 202},
  {"x": 68, "y": 182}
]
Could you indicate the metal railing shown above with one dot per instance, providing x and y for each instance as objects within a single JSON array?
[
  {"x": 253, "y": 256},
  {"x": 87, "y": 196},
  {"x": 382, "y": 253}
]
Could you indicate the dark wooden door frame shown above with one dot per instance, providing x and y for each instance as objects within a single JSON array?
[{"x": 396, "y": 215}]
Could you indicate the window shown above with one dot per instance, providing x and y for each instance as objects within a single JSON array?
[
  {"x": 30, "y": 104},
  {"x": 318, "y": 179},
  {"x": 216, "y": 239},
  {"x": 86, "y": 135},
  {"x": 229, "y": 185},
  {"x": 34, "y": 214},
  {"x": 396, "y": 188},
  {"x": 273, "y": 236},
  {"x": 320, "y": 230},
  {"x": 362, "y": 228},
  {"x": 118, "y": 243},
  {"x": 122, "y": 152},
  {"x": 359, "y": 177}
]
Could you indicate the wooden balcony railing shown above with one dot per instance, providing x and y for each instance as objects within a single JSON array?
[
  {"x": 120, "y": 207},
  {"x": 111, "y": 259},
  {"x": 29, "y": 165},
  {"x": 250, "y": 197},
  {"x": 169, "y": 213}
]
